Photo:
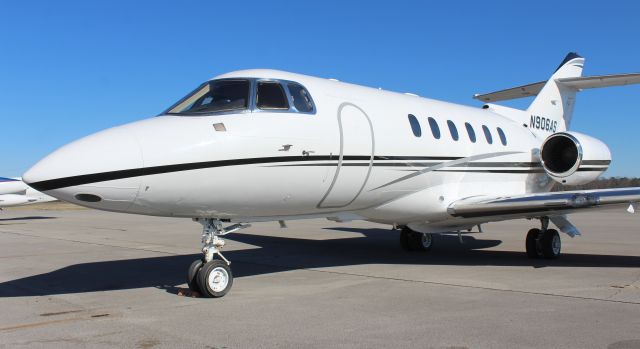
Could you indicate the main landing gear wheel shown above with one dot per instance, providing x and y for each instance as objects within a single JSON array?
[
  {"x": 533, "y": 250},
  {"x": 215, "y": 279},
  {"x": 415, "y": 241},
  {"x": 545, "y": 244},
  {"x": 404, "y": 238},
  {"x": 551, "y": 244}
]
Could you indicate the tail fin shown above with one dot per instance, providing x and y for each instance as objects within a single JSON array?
[{"x": 552, "y": 109}]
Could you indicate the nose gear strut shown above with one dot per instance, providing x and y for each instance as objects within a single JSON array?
[{"x": 211, "y": 242}]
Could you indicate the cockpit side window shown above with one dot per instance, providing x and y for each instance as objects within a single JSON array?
[
  {"x": 300, "y": 97},
  {"x": 215, "y": 96},
  {"x": 271, "y": 96}
]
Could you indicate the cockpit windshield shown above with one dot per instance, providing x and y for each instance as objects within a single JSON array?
[
  {"x": 240, "y": 95},
  {"x": 215, "y": 96}
]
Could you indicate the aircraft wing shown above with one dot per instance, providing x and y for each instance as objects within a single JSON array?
[{"x": 543, "y": 204}]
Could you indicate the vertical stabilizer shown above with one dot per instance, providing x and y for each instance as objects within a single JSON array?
[{"x": 552, "y": 109}]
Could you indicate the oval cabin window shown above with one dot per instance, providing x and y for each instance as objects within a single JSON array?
[
  {"x": 415, "y": 125},
  {"x": 435, "y": 129},
  {"x": 503, "y": 137},
  {"x": 487, "y": 134},
  {"x": 453, "y": 130},
  {"x": 470, "y": 132}
]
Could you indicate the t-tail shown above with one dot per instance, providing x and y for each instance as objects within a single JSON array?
[{"x": 552, "y": 109}]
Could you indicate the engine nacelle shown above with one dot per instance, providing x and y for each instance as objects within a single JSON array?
[{"x": 572, "y": 158}]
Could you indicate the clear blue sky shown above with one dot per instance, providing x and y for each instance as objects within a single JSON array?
[{"x": 70, "y": 68}]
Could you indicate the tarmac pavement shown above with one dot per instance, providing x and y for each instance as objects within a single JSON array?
[{"x": 83, "y": 278}]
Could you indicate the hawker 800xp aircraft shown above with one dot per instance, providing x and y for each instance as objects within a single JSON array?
[{"x": 265, "y": 145}]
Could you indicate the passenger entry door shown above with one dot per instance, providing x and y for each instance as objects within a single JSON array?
[{"x": 355, "y": 160}]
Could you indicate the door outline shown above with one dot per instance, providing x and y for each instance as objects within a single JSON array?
[{"x": 341, "y": 157}]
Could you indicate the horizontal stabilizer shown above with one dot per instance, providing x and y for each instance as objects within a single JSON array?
[
  {"x": 601, "y": 81},
  {"x": 578, "y": 83},
  {"x": 512, "y": 93}
]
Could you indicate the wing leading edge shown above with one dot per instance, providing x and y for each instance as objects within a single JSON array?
[{"x": 542, "y": 204}]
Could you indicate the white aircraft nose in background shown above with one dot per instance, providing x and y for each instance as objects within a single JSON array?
[
  {"x": 14, "y": 192},
  {"x": 69, "y": 172}
]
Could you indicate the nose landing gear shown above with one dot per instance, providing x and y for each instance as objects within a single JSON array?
[{"x": 212, "y": 277}]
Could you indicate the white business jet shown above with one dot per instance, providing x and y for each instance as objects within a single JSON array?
[
  {"x": 14, "y": 192},
  {"x": 266, "y": 145}
]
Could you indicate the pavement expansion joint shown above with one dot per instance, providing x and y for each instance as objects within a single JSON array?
[{"x": 447, "y": 284}]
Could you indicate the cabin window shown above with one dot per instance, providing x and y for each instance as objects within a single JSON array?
[
  {"x": 271, "y": 96},
  {"x": 415, "y": 125},
  {"x": 435, "y": 129},
  {"x": 487, "y": 134},
  {"x": 453, "y": 130},
  {"x": 470, "y": 132},
  {"x": 214, "y": 96},
  {"x": 300, "y": 98},
  {"x": 503, "y": 137}
]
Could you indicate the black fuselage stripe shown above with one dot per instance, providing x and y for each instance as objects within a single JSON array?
[
  {"x": 493, "y": 171},
  {"x": 591, "y": 169},
  {"x": 71, "y": 181},
  {"x": 422, "y": 164},
  {"x": 410, "y": 165},
  {"x": 153, "y": 170},
  {"x": 596, "y": 162},
  {"x": 146, "y": 171},
  {"x": 447, "y": 158}
]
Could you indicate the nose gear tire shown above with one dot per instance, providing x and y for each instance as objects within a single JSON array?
[
  {"x": 192, "y": 275},
  {"x": 215, "y": 279}
]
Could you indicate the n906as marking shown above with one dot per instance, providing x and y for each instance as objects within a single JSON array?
[{"x": 542, "y": 123}]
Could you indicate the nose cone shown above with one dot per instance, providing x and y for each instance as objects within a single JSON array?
[{"x": 101, "y": 171}]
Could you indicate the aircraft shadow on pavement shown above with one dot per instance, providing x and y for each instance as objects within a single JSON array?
[
  {"x": 277, "y": 254},
  {"x": 28, "y": 218}
]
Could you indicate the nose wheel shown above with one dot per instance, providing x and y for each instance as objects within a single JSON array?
[
  {"x": 215, "y": 279},
  {"x": 211, "y": 276},
  {"x": 192, "y": 275}
]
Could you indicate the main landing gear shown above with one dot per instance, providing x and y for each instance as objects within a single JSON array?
[
  {"x": 543, "y": 242},
  {"x": 211, "y": 277},
  {"x": 411, "y": 240}
]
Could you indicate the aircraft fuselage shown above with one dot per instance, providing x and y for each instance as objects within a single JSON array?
[{"x": 355, "y": 153}]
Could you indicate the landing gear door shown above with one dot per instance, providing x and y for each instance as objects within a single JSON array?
[{"x": 355, "y": 160}]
